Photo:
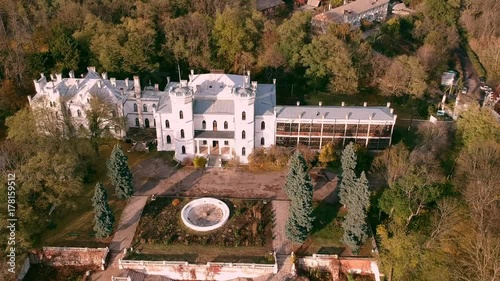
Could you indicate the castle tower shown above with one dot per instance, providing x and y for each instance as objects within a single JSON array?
[
  {"x": 182, "y": 123},
  {"x": 244, "y": 118}
]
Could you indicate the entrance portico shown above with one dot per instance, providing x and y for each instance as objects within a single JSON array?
[{"x": 214, "y": 143}]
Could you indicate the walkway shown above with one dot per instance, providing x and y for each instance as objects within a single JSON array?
[{"x": 281, "y": 245}]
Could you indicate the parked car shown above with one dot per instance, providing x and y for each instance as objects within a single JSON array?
[
  {"x": 465, "y": 90},
  {"x": 482, "y": 80}
]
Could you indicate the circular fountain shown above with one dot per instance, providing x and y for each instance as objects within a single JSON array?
[{"x": 205, "y": 214}]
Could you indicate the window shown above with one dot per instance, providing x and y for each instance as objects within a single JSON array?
[
  {"x": 183, "y": 150},
  {"x": 181, "y": 115},
  {"x": 146, "y": 123},
  {"x": 79, "y": 113},
  {"x": 204, "y": 142},
  {"x": 135, "y": 107},
  {"x": 182, "y": 133},
  {"x": 226, "y": 125},
  {"x": 243, "y": 115},
  {"x": 226, "y": 142},
  {"x": 113, "y": 113},
  {"x": 167, "y": 124},
  {"x": 169, "y": 139},
  {"x": 154, "y": 106},
  {"x": 262, "y": 141},
  {"x": 262, "y": 125},
  {"x": 243, "y": 151},
  {"x": 144, "y": 108},
  {"x": 137, "y": 124},
  {"x": 203, "y": 125},
  {"x": 214, "y": 125},
  {"x": 243, "y": 134}
]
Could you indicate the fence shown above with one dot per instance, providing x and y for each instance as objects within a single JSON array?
[{"x": 62, "y": 256}]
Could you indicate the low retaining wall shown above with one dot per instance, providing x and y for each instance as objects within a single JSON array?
[
  {"x": 363, "y": 266},
  {"x": 211, "y": 271},
  {"x": 62, "y": 256}
]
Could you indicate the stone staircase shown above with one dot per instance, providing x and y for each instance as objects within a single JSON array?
[{"x": 214, "y": 161}]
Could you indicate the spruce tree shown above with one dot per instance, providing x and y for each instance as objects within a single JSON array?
[
  {"x": 119, "y": 173},
  {"x": 103, "y": 215},
  {"x": 354, "y": 224},
  {"x": 348, "y": 174},
  {"x": 299, "y": 190}
]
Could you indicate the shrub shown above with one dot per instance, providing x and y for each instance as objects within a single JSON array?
[
  {"x": 187, "y": 162},
  {"x": 272, "y": 158},
  {"x": 309, "y": 155},
  {"x": 199, "y": 162},
  {"x": 176, "y": 202}
]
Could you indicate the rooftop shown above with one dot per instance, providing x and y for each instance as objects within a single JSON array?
[
  {"x": 355, "y": 7},
  {"x": 212, "y": 106},
  {"x": 262, "y": 5},
  {"x": 376, "y": 113}
]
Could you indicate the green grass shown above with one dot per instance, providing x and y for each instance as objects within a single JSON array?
[
  {"x": 202, "y": 253},
  {"x": 74, "y": 227}
]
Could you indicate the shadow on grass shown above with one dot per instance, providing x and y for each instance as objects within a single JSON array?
[
  {"x": 331, "y": 250},
  {"x": 324, "y": 214}
]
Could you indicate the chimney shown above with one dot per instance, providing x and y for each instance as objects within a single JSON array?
[
  {"x": 343, "y": 104},
  {"x": 113, "y": 81},
  {"x": 274, "y": 81},
  {"x": 29, "y": 99},
  {"x": 168, "y": 80},
  {"x": 104, "y": 75},
  {"x": 329, "y": 7},
  {"x": 191, "y": 76},
  {"x": 126, "y": 82},
  {"x": 157, "y": 87},
  {"x": 52, "y": 77},
  {"x": 392, "y": 110},
  {"x": 91, "y": 68},
  {"x": 248, "y": 73},
  {"x": 192, "y": 72},
  {"x": 42, "y": 75},
  {"x": 37, "y": 86},
  {"x": 254, "y": 85},
  {"x": 137, "y": 83},
  {"x": 298, "y": 103},
  {"x": 365, "y": 104},
  {"x": 99, "y": 83},
  {"x": 59, "y": 77},
  {"x": 71, "y": 74},
  {"x": 388, "y": 104},
  {"x": 320, "y": 103}
]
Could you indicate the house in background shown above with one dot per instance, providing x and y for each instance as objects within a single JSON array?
[
  {"x": 401, "y": 9},
  {"x": 352, "y": 13},
  {"x": 268, "y": 6}
]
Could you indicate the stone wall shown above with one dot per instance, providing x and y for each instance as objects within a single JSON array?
[
  {"x": 62, "y": 256},
  {"x": 210, "y": 271},
  {"x": 363, "y": 266}
]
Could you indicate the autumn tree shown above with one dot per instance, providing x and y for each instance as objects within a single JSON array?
[
  {"x": 299, "y": 190},
  {"x": 237, "y": 35},
  {"x": 404, "y": 76},
  {"x": 477, "y": 125},
  {"x": 327, "y": 59},
  {"x": 139, "y": 50},
  {"x": 327, "y": 154},
  {"x": 293, "y": 36},
  {"x": 103, "y": 215},
  {"x": 119, "y": 173}
]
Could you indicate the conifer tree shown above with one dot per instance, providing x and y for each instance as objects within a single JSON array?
[
  {"x": 103, "y": 215},
  {"x": 119, "y": 173},
  {"x": 299, "y": 190},
  {"x": 354, "y": 224},
  {"x": 348, "y": 176}
]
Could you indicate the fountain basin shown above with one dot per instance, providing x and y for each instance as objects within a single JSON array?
[{"x": 205, "y": 214}]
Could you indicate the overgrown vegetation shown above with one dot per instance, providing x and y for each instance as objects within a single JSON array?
[{"x": 249, "y": 225}]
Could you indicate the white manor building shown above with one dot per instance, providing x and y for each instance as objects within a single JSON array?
[{"x": 224, "y": 115}]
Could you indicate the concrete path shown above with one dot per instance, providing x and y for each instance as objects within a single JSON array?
[{"x": 280, "y": 243}]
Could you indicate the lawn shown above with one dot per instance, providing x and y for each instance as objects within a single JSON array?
[
  {"x": 326, "y": 236},
  {"x": 74, "y": 227},
  {"x": 246, "y": 236}
]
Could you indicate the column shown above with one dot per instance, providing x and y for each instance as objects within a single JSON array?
[
  {"x": 198, "y": 147},
  {"x": 220, "y": 147},
  {"x": 209, "y": 146},
  {"x": 368, "y": 133},
  {"x": 321, "y": 134}
]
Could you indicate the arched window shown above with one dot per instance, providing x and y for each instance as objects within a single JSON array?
[
  {"x": 154, "y": 123},
  {"x": 181, "y": 115},
  {"x": 243, "y": 151},
  {"x": 135, "y": 107},
  {"x": 243, "y": 134},
  {"x": 262, "y": 125},
  {"x": 183, "y": 150},
  {"x": 203, "y": 125},
  {"x": 182, "y": 133},
  {"x": 144, "y": 108},
  {"x": 79, "y": 113},
  {"x": 243, "y": 115},
  {"x": 214, "y": 125},
  {"x": 113, "y": 113},
  {"x": 69, "y": 112},
  {"x": 167, "y": 124},
  {"x": 226, "y": 125},
  {"x": 262, "y": 141},
  {"x": 154, "y": 106},
  {"x": 146, "y": 123},
  {"x": 169, "y": 139},
  {"x": 137, "y": 124}
]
